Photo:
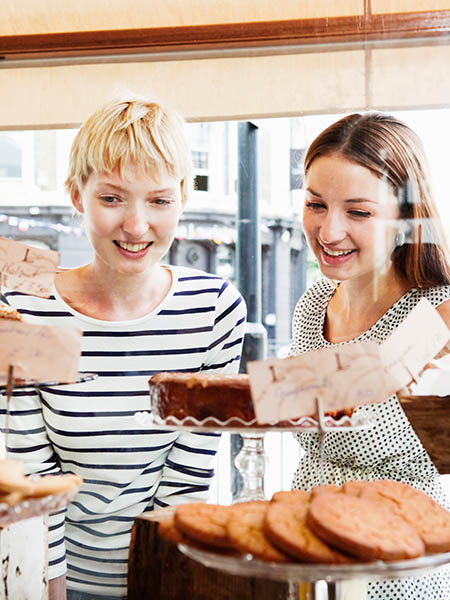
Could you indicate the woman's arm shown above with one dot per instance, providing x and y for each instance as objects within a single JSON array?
[
  {"x": 57, "y": 588},
  {"x": 444, "y": 310}
]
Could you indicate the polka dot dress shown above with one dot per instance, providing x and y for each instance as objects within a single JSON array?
[{"x": 389, "y": 450}]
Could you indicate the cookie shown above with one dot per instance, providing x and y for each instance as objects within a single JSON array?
[
  {"x": 428, "y": 518},
  {"x": 169, "y": 531},
  {"x": 205, "y": 523},
  {"x": 50, "y": 485},
  {"x": 355, "y": 487},
  {"x": 362, "y": 528},
  {"x": 12, "y": 477},
  {"x": 285, "y": 526},
  {"x": 245, "y": 529},
  {"x": 291, "y": 496},
  {"x": 328, "y": 487}
]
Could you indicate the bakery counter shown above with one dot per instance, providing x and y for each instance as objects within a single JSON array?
[{"x": 158, "y": 570}]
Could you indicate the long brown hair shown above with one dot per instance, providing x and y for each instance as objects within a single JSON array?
[{"x": 391, "y": 150}]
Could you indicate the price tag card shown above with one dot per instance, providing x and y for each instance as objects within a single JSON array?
[
  {"x": 343, "y": 377},
  {"x": 413, "y": 344},
  {"x": 40, "y": 352},
  {"x": 27, "y": 269}
]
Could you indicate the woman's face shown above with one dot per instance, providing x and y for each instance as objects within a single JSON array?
[
  {"x": 349, "y": 218},
  {"x": 130, "y": 219}
]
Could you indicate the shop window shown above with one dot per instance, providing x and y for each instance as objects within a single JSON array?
[{"x": 10, "y": 157}]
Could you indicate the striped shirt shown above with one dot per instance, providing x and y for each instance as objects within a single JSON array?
[{"x": 91, "y": 428}]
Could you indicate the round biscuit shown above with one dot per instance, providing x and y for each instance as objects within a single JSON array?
[
  {"x": 285, "y": 526},
  {"x": 245, "y": 529},
  {"x": 50, "y": 485},
  {"x": 364, "y": 529},
  {"x": 428, "y": 518},
  {"x": 292, "y": 496},
  {"x": 205, "y": 523}
]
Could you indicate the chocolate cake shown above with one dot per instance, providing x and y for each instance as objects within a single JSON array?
[
  {"x": 207, "y": 398},
  {"x": 201, "y": 396}
]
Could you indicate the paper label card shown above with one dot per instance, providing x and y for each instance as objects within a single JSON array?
[
  {"x": 40, "y": 352},
  {"x": 343, "y": 377},
  {"x": 413, "y": 344},
  {"x": 27, "y": 269}
]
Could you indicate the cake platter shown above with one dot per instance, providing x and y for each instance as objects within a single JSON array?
[
  {"x": 332, "y": 575},
  {"x": 237, "y": 425},
  {"x": 34, "y": 507}
]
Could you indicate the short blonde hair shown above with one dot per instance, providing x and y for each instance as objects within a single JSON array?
[{"x": 134, "y": 130}]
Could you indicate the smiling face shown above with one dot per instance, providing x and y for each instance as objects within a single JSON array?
[
  {"x": 349, "y": 218},
  {"x": 130, "y": 218}
]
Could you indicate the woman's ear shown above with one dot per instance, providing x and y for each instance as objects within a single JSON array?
[{"x": 75, "y": 197}]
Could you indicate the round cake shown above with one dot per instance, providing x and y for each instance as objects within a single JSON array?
[
  {"x": 209, "y": 399},
  {"x": 198, "y": 396}
]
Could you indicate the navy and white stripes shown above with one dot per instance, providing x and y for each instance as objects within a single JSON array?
[{"x": 90, "y": 428}]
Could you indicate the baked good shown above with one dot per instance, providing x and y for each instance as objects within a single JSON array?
[
  {"x": 362, "y": 528},
  {"x": 245, "y": 528},
  {"x": 8, "y": 312},
  {"x": 285, "y": 526},
  {"x": 291, "y": 496},
  {"x": 206, "y": 398},
  {"x": 16, "y": 486},
  {"x": 429, "y": 519},
  {"x": 205, "y": 523},
  {"x": 201, "y": 396}
]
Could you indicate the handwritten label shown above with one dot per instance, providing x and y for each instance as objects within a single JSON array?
[
  {"x": 27, "y": 269},
  {"x": 344, "y": 377},
  {"x": 40, "y": 352},
  {"x": 416, "y": 341}
]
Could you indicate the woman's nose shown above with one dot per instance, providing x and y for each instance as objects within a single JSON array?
[
  {"x": 332, "y": 229},
  {"x": 135, "y": 223}
]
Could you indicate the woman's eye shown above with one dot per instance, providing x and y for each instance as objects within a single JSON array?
[
  {"x": 362, "y": 214},
  {"x": 315, "y": 205},
  {"x": 109, "y": 199},
  {"x": 161, "y": 201}
]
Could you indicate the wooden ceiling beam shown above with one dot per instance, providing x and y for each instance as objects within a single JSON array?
[{"x": 434, "y": 25}]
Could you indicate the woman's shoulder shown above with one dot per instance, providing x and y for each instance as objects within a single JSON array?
[
  {"x": 315, "y": 299},
  {"x": 187, "y": 277},
  {"x": 435, "y": 295}
]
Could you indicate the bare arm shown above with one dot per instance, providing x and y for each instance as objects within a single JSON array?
[{"x": 57, "y": 588}]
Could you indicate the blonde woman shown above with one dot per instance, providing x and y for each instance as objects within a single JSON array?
[{"x": 129, "y": 177}]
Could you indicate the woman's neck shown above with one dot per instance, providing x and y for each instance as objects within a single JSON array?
[
  {"x": 359, "y": 303},
  {"x": 113, "y": 298}
]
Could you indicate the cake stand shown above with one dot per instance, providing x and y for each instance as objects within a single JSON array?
[
  {"x": 334, "y": 576},
  {"x": 32, "y": 507},
  {"x": 251, "y": 460}
]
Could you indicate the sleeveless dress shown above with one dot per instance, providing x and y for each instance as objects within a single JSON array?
[{"x": 389, "y": 450}]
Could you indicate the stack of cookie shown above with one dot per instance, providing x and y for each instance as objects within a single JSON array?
[
  {"x": 15, "y": 486},
  {"x": 360, "y": 521}
]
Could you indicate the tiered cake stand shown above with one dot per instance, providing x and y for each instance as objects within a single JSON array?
[{"x": 32, "y": 507}]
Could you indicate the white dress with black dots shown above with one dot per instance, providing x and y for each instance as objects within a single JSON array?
[{"x": 389, "y": 450}]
